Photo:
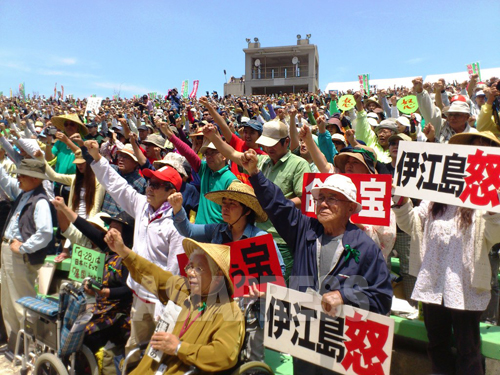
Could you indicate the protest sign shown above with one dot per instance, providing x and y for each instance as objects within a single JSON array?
[
  {"x": 195, "y": 89},
  {"x": 374, "y": 194},
  {"x": 184, "y": 90},
  {"x": 474, "y": 69},
  {"x": 86, "y": 263},
  {"x": 93, "y": 104},
  {"x": 253, "y": 260},
  {"x": 346, "y": 102},
  {"x": 364, "y": 83},
  {"x": 466, "y": 176},
  {"x": 354, "y": 342},
  {"x": 407, "y": 104}
]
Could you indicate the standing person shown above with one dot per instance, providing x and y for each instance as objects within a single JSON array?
[
  {"x": 449, "y": 251},
  {"x": 26, "y": 239},
  {"x": 214, "y": 175},
  {"x": 68, "y": 125},
  {"x": 331, "y": 254},
  {"x": 280, "y": 166},
  {"x": 155, "y": 237},
  {"x": 252, "y": 130}
]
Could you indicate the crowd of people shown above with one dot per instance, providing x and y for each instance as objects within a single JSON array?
[{"x": 145, "y": 180}]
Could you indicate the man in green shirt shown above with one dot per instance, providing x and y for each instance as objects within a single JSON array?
[{"x": 280, "y": 166}]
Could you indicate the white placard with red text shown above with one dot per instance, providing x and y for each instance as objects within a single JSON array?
[
  {"x": 356, "y": 341},
  {"x": 466, "y": 176}
]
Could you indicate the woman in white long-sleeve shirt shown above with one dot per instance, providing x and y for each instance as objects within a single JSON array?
[{"x": 449, "y": 255}]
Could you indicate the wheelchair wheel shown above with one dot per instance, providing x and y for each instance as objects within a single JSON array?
[
  {"x": 253, "y": 368},
  {"x": 49, "y": 364},
  {"x": 85, "y": 362}
]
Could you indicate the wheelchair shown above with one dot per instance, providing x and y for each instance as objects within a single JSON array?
[
  {"x": 243, "y": 367},
  {"x": 53, "y": 333}
]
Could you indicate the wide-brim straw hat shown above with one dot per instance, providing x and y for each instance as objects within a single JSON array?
[
  {"x": 467, "y": 138},
  {"x": 98, "y": 220},
  {"x": 221, "y": 255},
  {"x": 361, "y": 153},
  {"x": 79, "y": 158},
  {"x": 58, "y": 122},
  {"x": 242, "y": 193}
]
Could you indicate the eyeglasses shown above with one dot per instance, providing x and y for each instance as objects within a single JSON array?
[
  {"x": 451, "y": 114},
  {"x": 329, "y": 200},
  {"x": 155, "y": 185},
  {"x": 197, "y": 270}
]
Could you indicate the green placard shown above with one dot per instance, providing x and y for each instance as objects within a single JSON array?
[
  {"x": 407, "y": 104},
  {"x": 346, "y": 102},
  {"x": 86, "y": 263}
]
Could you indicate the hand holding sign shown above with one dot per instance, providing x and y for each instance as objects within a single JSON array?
[{"x": 346, "y": 102}]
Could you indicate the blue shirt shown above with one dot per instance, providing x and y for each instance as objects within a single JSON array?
[{"x": 217, "y": 233}]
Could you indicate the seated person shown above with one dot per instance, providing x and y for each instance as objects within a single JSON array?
[
  {"x": 210, "y": 329},
  {"x": 111, "y": 311}
]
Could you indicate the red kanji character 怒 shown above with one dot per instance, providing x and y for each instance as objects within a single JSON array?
[
  {"x": 480, "y": 188},
  {"x": 361, "y": 354}
]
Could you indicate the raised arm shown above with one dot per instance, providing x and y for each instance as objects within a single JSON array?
[
  {"x": 219, "y": 120},
  {"x": 210, "y": 132},
  {"x": 317, "y": 156}
]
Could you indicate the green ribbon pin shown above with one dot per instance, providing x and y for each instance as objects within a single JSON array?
[
  {"x": 352, "y": 253},
  {"x": 202, "y": 307}
]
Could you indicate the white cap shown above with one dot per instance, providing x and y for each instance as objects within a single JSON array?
[
  {"x": 128, "y": 150},
  {"x": 272, "y": 132},
  {"x": 402, "y": 120},
  {"x": 372, "y": 121},
  {"x": 341, "y": 184},
  {"x": 458, "y": 107},
  {"x": 339, "y": 137}
]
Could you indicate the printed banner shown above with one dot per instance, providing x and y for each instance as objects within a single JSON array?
[
  {"x": 93, "y": 104},
  {"x": 374, "y": 194},
  {"x": 184, "y": 89},
  {"x": 152, "y": 95},
  {"x": 466, "y": 176},
  {"x": 474, "y": 69},
  {"x": 354, "y": 342},
  {"x": 22, "y": 92},
  {"x": 195, "y": 89},
  {"x": 364, "y": 83},
  {"x": 407, "y": 104},
  {"x": 62, "y": 92},
  {"x": 55, "y": 90},
  {"x": 86, "y": 263},
  {"x": 346, "y": 102},
  {"x": 253, "y": 260}
]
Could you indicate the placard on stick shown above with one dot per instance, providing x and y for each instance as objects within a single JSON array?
[
  {"x": 86, "y": 263},
  {"x": 374, "y": 194},
  {"x": 253, "y": 260}
]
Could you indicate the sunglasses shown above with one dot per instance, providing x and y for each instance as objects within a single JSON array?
[{"x": 155, "y": 185}]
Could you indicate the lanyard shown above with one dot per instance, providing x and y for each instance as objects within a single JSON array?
[{"x": 184, "y": 328}]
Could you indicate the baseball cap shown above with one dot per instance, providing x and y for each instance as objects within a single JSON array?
[
  {"x": 341, "y": 184},
  {"x": 401, "y": 137},
  {"x": 167, "y": 174},
  {"x": 254, "y": 124},
  {"x": 458, "y": 106},
  {"x": 460, "y": 98},
  {"x": 402, "y": 120},
  {"x": 272, "y": 132}
]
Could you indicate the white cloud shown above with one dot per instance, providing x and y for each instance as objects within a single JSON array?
[
  {"x": 122, "y": 87},
  {"x": 48, "y": 72},
  {"x": 15, "y": 65},
  {"x": 416, "y": 60},
  {"x": 68, "y": 61}
]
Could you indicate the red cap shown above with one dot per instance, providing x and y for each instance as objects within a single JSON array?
[
  {"x": 166, "y": 173},
  {"x": 459, "y": 98}
]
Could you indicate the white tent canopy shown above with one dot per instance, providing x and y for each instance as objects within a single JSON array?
[{"x": 406, "y": 81}]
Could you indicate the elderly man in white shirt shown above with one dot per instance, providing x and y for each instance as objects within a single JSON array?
[{"x": 155, "y": 237}]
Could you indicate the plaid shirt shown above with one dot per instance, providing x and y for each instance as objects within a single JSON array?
[{"x": 135, "y": 180}]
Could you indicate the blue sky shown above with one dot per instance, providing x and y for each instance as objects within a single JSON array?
[{"x": 101, "y": 47}]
